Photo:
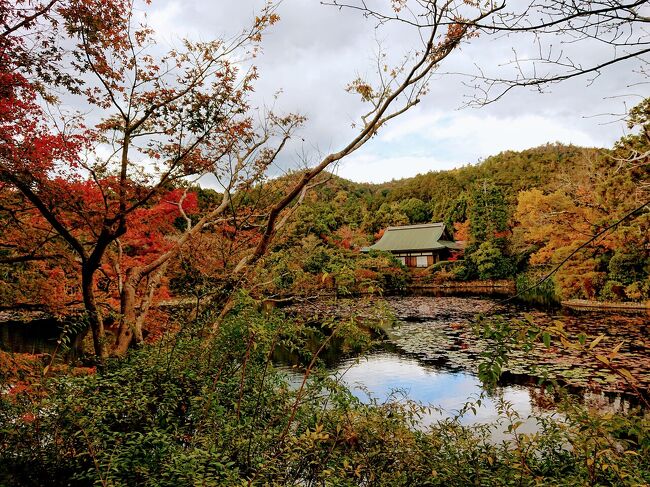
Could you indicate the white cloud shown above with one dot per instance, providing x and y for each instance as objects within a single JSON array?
[
  {"x": 435, "y": 142},
  {"x": 315, "y": 50},
  {"x": 374, "y": 168},
  {"x": 491, "y": 134}
]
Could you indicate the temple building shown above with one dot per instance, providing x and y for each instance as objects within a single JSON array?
[{"x": 419, "y": 245}]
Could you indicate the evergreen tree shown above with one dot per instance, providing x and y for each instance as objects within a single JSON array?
[{"x": 488, "y": 213}]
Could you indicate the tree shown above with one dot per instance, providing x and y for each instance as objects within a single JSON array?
[
  {"x": 488, "y": 213},
  {"x": 387, "y": 215},
  {"x": 164, "y": 119},
  {"x": 634, "y": 149},
  {"x": 490, "y": 261},
  {"x": 617, "y": 29},
  {"x": 416, "y": 210},
  {"x": 553, "y": 225},
  {"x": 487, "y": 254}
]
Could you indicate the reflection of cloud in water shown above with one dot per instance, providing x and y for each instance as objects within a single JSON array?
[{"x": 382, "y": 374}]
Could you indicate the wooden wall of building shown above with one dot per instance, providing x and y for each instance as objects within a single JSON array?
[{"x": 410, "y": 259}]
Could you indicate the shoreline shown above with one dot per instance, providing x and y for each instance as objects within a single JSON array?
[{"x": 585, "y": 304}]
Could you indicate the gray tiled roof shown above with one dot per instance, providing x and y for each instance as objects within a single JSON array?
[{"x": 414, "y": 237}]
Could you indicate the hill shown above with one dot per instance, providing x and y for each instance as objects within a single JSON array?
[{"x": 522, "y": 213}]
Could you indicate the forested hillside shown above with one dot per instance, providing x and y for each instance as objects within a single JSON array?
[{"x": 521, "y": 213}]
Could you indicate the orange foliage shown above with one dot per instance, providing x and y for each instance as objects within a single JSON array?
[
  {"x": 361, "y": 274},
  {"x": 461, "y": 230}
]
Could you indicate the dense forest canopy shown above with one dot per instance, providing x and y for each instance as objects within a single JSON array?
[{"x": 519, "y": 212}]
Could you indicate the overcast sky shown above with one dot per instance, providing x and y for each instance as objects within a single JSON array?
[{"x": 315, "y": 50}]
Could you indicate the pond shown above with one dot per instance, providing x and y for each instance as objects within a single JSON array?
[
  {"x": 391, "y": 376},
  {"x": 439, "y": 330},
  {"x": 431, "y": 354}
]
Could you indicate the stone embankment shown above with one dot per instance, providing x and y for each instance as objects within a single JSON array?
[
  {"x": 504, "y": 286},
  {"x": 584, "y": 304}
]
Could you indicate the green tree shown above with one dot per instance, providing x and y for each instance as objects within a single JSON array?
[
  {"x": 416, "y": 210},
  {"x": 491, "y": 262},
  {"x": 488, "y": 213},
  {"x": 628, "y": 265},
  {"x": 387, "y": 215},
  {"x": 487, "y": 254}
]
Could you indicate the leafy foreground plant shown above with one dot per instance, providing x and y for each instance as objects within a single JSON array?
[{"x": 185, "y": 413}]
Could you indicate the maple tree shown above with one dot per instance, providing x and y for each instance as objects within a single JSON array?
[
  {"x": 164, "y": 119},
  {"x": 553, "y": 224}
]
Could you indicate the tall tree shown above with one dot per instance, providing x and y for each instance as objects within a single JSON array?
[
  {"x": 488, "y": 230},
  {"x": 488, "y": 213}
]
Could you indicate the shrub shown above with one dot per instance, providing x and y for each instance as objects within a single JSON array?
[
  {"x": 394, "y": 279},
  {"x": 627, "y": 266},
  {"x": 490, "y": 261},
  {"x": 317, "y": 262},
  {"x": 636, "y": 291},
  {"x": 613, "y": 291},
  {"x": 444, "y": 265},
  {"x": 215, "y": 411}
]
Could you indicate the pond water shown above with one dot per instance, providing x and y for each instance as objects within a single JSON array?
[
  {"x": 432, "y": 352},
  {"x": 390, "y": 376},
  {"x": 439, "y": 330},
  {"x": 34, "y": 336}
]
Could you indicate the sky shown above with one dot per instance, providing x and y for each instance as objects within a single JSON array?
[{"x": 316, "y": 50}]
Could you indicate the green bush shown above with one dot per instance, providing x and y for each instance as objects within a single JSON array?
[
  {"x": 636, "y": 291},
  {"x": 627, "y": 266},
  {"x": 394, "y": 279},
  {"x": 317, "y": 262},
  {"x": 490, "y": 261},
  {"x": 444, "y": 265},
  {"x": 284, "y": 276},
  {"x": 613, "y": 291}
]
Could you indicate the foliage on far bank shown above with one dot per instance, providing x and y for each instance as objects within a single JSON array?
[
  {"x": 519, "y": 213},
  {"x": 313, "y": 267}
]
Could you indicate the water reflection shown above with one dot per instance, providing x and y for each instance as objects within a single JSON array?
[
  {"x": 380, "y": 375},
  {"x": 431, "y": 353}
]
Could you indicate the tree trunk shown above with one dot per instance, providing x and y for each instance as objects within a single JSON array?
[
  {"x": 94, "y": 316},
  {"x": 132, "y": 322},
  {"x": 153, "y": 281},
  {"x": 126, "y": 329}
]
